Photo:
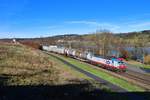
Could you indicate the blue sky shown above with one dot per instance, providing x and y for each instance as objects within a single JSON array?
[{"x": 39, "y": 18}]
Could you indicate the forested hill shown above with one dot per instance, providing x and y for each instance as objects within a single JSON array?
[
  {"x": 131, "y": 36},
  {"x": 145, "y": 33}
]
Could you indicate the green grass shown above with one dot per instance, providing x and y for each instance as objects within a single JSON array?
[
  {"x": 120, "y": 82},
  {"x": 79, "y": 74},
  {"x": 145, "y": 66},
  {"x": 66, "y": 68}
]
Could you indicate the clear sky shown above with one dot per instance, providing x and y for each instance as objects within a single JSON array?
[{"x": 36, "y": 18}]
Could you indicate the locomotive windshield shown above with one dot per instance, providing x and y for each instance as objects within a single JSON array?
[{"x": 121, "y": 63}]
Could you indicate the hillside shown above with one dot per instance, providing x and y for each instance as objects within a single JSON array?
[
  {"x": 87, "y": 37},
  {"x": 27, "y": 74},
  {"x": 25, "y": 66}
]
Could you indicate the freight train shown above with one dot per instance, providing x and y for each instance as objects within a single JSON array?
[{"x": 113, "y": 64}]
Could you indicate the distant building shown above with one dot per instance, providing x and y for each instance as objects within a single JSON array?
[{"x": 14, "y": 41}]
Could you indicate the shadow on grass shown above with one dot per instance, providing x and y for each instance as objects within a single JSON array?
[
  {"x": 63, "y": 92},
  {"x": 3, "y": 80}
]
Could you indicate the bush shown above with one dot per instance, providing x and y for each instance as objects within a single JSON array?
[
  {"x": 31, "y": 44},
  {"x": 125, "y": 54},
  {"x": 147, "y": 59}
]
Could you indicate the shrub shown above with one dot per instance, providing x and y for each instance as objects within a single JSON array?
[
  {"x": 125, "y": 54},
  {"x": 31, "y": 44}
]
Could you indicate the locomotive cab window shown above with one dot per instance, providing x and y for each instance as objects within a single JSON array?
[{"x": 121, "y": 63}]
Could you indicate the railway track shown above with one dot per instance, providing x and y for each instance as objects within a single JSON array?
[
  {"x": 139, "y": 75},
  {"x": 102, "y": 81},
  {"x": 135, "y": 78},
  {"x": 141, "y": 80}
]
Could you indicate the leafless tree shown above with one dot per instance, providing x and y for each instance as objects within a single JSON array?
[
  {"x": 139, "y": 45},
  {"x": 103, "y": 39}
]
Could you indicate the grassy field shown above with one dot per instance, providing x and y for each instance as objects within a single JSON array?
[
  {"x": 120, "y": 82},
  {"x": 26, "y": 66},
  {"x": 24, "y": 71}
]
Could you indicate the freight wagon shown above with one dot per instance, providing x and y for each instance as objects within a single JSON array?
[{"x": 113, "y": 64}]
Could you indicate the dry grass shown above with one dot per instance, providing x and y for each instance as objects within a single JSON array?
[{"x": 25, "y": 66}]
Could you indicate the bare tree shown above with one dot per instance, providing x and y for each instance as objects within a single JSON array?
[
  {"x": 103, "y": 39},
  {"x": 139, "y": 45}
]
